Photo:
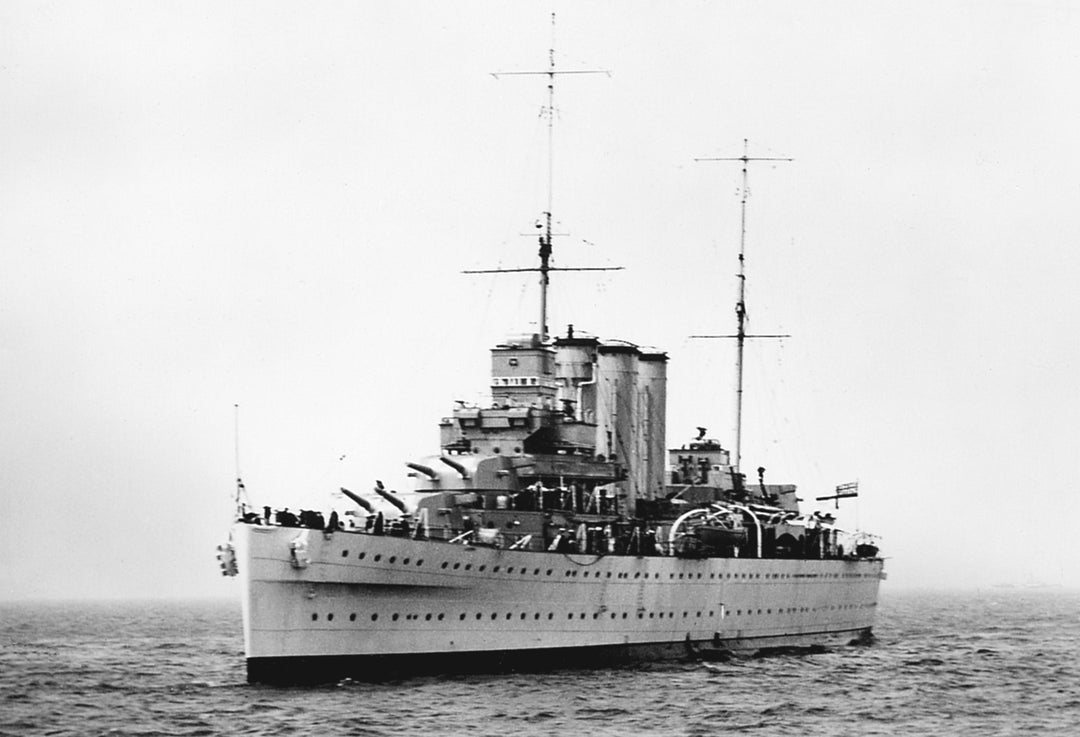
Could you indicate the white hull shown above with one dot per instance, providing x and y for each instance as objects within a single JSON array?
[{"x": 364, "y": 601}]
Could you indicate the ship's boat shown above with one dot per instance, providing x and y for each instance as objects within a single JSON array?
[{"x": 553, "y": 528}]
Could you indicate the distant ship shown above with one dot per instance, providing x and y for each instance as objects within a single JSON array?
[{"x": 553, "y": 529}]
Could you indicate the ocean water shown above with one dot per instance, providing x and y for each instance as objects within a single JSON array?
[{"x": 996, "y": 662}]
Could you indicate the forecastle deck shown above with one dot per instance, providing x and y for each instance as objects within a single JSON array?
[{"x": 368, "y": 605}]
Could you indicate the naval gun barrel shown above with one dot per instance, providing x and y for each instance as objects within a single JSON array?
[
  {"x": 358, "y": 499},
  {"x": 381, "y": 491},
  {"x": 462, "y": 471},
  {"x": 421, "y": 468}
]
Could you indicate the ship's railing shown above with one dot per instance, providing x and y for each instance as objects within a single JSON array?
[{"x": 815, "y": 538}]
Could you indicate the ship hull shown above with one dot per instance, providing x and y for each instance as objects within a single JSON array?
[
  {"x": 375, "y": 668},
  {"x": 371, "y": 607}
]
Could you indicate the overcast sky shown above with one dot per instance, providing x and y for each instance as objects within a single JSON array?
[{"x": 269, "y": 203}]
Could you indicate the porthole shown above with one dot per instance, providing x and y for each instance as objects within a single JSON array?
[
  {"x": 468, "y": 566},
  {"x": 440, "y": 617},
  {"x": 375, "y": 617},
  {"x": 378, "y": 558},
  {"x": 395, "y": 617},
  {"x": 344, "y": 553},
  {"x": 551, "y": 615},
  {"x": 456, "y": 566},
  {"x": 570, "y": 615},
  {"x": 392, "y": 559},
  {"x": 509, "y": 616},
  {"x": 536, "y": 572},
  {"x": 462, "y": 616},
  {"x": 494, "y": 616},
  {"x": 419, "y": 562},
  {"x": 509, "y": 569},
  {"x": 404, "y": 562},
  {"x": 651, "y": 615},
  {"x": 314, "y": 617},
  {"x": 362, "y": 555},
  {"x": 523, "y": 615},
  {"x": 482, "y": 568},
  {"x": 637, "y": 574},
  {"x": 352, "y": 617},
  {"x": 613, "y": 615},
  {"x": 495, "y": 569},
  {"x": 478, "y": 616},
  {"x": 536, "y": 616},
  {"x": 641, "y": 615},
  {"x": 427, "y": 617},
  {"x": 445, "y": 564},
  {"x": 624, "y": 615},
  {"x": 549, "y": 572}
]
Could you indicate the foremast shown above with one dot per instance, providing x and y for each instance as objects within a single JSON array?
[{"x": 547, "y": 237}]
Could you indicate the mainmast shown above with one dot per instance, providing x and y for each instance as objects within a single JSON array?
[
  {"x": 741, "y": 314},
  {"x": 546, "y": 237}
]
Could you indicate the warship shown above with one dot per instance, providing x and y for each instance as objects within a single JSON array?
[{"x": 553, "y": 528}]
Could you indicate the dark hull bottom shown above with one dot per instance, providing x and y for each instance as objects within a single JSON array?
[{"x": 331, "y": 668}]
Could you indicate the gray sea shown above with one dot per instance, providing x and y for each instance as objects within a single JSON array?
[{"x": 995, "y": 662}]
